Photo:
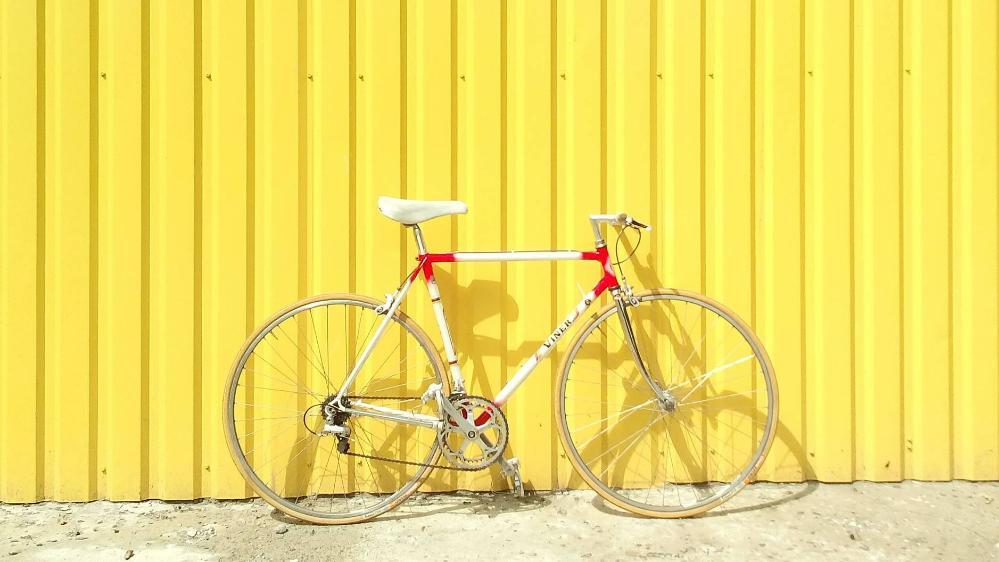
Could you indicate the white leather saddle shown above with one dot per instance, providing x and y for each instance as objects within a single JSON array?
[{"x": 410, "y": 211}]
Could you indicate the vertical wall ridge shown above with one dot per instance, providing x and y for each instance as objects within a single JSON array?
[
  {"x": 901, "y": 235},
  {"x": 809, "y": 471},
  {"x": 352, "y": 142},
  {"x": 197, "y": 280},
  {"x": 41, "y": 243},
  {"x": 144, "y": 220},
  {"x": 93, "y": 249},
  {"x": 852, "y": 226},
  {"x": 950, "y": 237}
]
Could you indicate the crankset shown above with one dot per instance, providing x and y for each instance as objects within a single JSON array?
[{"x": 474, "y": 433}]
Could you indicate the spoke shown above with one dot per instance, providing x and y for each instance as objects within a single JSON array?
[
  {"x": 368, "y": 437},
  {"x": 682, "y": 333},
  {"x": 272, "y": 426},
  {"x": 393, "y": 387},
  {"x": 275, "y": 379},
  {"x": 608, "y": 428},
  {"x": 293, "y": 381},
  {"x": 346, "y": 352},
  {"x": 374, "y": 375},
  {"x": 624, "y": 344},
  {"x": 319, "y": 487},
  {"x": 735, "y": 429},
  {"x": 704, "y": 378},
  {"x": 693, "y": 351},
  {"x": 627, "y": 384},
  {"x": 319, "y": 351},
  {"x": 632, "y": 440},
  {"x": 329, "y": 357},
  {"x": 706, "y": 447},
  {"x": 343, "y": 482},
  {"x": 362, "y": 345},
  {"x": 269, "y": 441},
  {"x": 297, "y": 416},
  {"x": 669, "y": 461},
  {"x": 304, "y": 354},
  {"x": 620, "y": 414},
  {"x": 712, "y": 460},
  {"x": 265, "y": 388},
  {"x": 724, "y": 397},
  {"x": 291, "y": 461},
  {"x": 268, "y": 407},
  {"x": 292, "y": 448}
]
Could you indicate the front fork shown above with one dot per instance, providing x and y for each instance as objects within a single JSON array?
[{"x": 624, "y": 299}]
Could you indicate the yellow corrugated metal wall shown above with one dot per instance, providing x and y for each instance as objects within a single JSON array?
[{"x": 172, "y": 172}]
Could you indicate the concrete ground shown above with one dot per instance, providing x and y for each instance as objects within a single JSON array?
[{"x": 862, "y": 521}]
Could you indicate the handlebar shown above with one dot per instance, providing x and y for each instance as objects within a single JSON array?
[{"x": 619, "y": 219}]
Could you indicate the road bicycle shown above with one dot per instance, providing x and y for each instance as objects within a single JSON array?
[{"x": 339, "y": 407}]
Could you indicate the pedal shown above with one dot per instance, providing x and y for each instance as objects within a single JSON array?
[{"x": 511, "y": 469}]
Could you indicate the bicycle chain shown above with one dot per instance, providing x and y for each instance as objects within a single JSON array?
[{"x": 400, "y": 461}]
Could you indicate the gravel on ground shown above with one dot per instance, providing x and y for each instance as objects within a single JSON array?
[{"x": 861, "y": 521}]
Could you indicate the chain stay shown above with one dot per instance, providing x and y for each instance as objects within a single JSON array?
[{"x": 400, "y": 461}]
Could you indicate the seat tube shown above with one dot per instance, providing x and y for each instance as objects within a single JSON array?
[
  {"x": 452, "y": 358},
  {"x": 435, "y": 299}
]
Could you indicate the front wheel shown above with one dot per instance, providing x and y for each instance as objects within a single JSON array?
[{"x": 690, "y": 440}]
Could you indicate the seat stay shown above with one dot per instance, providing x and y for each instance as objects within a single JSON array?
[{"x": 393, "y": 304}]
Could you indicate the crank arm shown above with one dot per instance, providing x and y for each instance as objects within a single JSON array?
[{"x": 435, "y": 391}]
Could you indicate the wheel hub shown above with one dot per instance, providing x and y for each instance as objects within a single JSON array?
[{"x": 667, "y": 401}]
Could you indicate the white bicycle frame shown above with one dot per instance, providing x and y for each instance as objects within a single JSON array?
[{"x": 426, "y": 260}]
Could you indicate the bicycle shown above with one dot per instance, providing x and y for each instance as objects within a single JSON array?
[{"x": 666, "y": 403}]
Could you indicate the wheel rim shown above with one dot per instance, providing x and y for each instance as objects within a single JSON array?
[
  {"x": 274, "y": 402},
  {"x": 623, "y": 436}
]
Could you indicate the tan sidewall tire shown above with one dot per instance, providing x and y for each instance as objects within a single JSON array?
[
  {"x": 597, "y": 486},
  {"x": 230, "y": 437}
]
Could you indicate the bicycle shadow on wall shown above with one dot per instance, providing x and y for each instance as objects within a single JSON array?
[
  {"x": 690, "y": 452},
  {"x": 443, "y": 489},
  {"x": 490, "y": 300}
]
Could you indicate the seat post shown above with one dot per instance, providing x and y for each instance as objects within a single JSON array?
[{"x": 418, "y": 234}]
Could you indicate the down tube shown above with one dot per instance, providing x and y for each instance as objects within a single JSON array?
[{"x": 546, "y": 348}]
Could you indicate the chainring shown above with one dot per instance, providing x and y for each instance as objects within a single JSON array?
[{"x": 476, "y": 440}]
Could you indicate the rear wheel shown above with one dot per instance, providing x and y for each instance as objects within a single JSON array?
[
  {"x": 283, "y": 381},
  {"x": 690, "y": 441}
]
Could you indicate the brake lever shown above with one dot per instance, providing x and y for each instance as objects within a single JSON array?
[{"x": 633, "y": 223}]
